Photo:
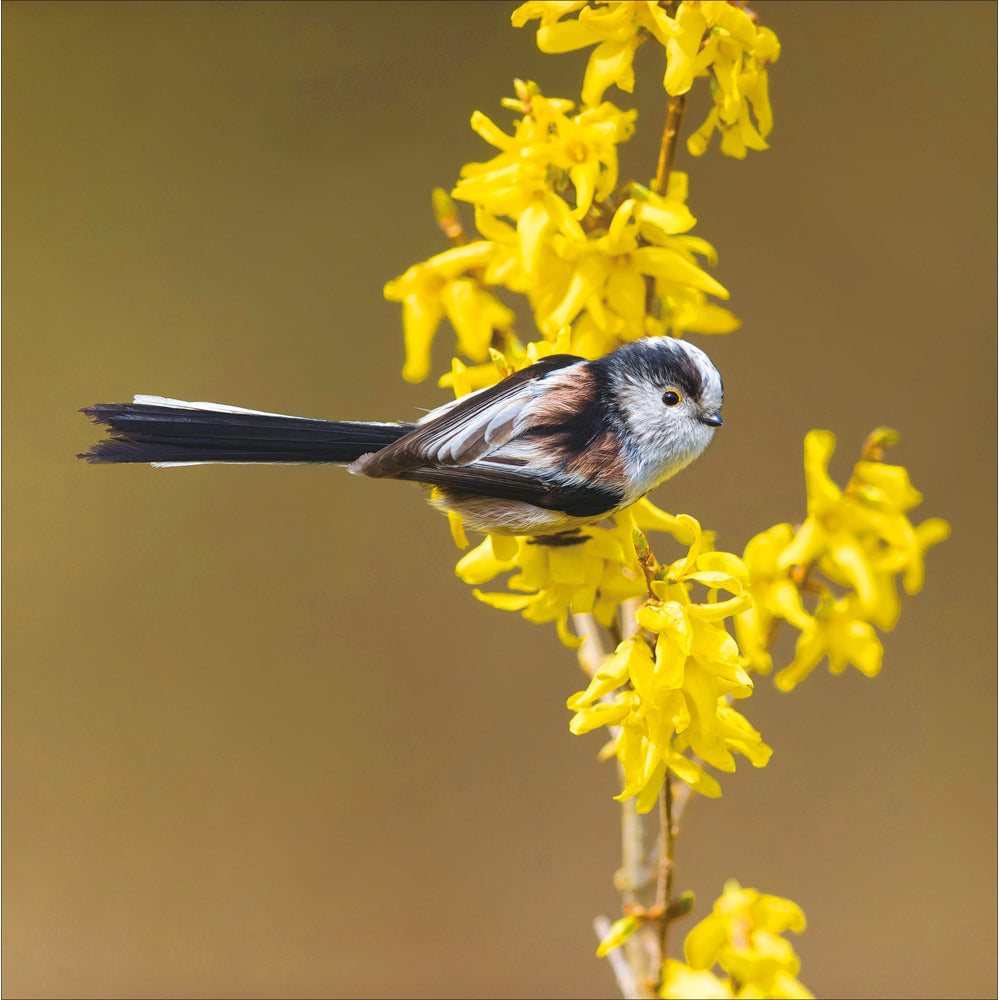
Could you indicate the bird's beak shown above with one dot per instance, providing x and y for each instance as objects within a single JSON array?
[{"x": 712, "y": 419}]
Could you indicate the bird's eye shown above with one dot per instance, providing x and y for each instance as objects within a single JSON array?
[{"x": 671, "y": 397}]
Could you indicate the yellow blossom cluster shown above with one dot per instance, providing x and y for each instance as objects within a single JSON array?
[
  {"x": 710, "y": 38},
  {"x": 742, "y": 936},
  {"x": 550, "y": 582},
  {"x": 668, "y": 688},
  {"x": 608, "y": 265},
  {"x": 463, "y": 378},
  {"x": 447, "y": 285},
  {"x": 601, "y": 264},
  {"x": 860, "y": 540}
]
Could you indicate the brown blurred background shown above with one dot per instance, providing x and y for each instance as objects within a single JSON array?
[{"x": 260, "y": 741}]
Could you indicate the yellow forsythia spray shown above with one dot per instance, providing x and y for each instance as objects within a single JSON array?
[{"x": 668, "y": 648}]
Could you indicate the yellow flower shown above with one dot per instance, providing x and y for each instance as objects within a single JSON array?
[
  {"x": 463, "y": 379},
  {"x": 607, "y": 271},
  {"x": 552, "y": 582},
  {"x": 737, "y": 54},
  {"x": 742, "y": 937},
  {"x": 596, "y": 281},
  {"x": 886, "y": 490},
  {"x": 613, "y": 27},
  {"x": 681, "y": 36},
  {"x": 703, "y": 38},
  {"x": 549, "y": 149},
  {"x": 859, "y": 536},
  {"x": 441, "y": 287},
  {"x": 681, "y": 983},
  {"x": 548, "y": 10},
  {"x": 860, "y": 540},
  {"x": 838, "y": 631},
  {"x": 607, "y": 277},
  {"x": 671, "y": 694},
  {"x": 775, "y": 596},
  {"x": 594, "y": 278}
]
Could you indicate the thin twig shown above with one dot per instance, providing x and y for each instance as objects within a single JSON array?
[
  {"x": 665, "y": 163},
  {"x": 668, "y": 143},
  {"x": 633, "y": 880},
  {"x": 633, "y": 875},
  {"x": 665, "y": 880},
  {"x": 672, "y": 128}
]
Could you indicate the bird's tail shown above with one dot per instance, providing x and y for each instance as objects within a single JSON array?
[{"x": 171, "y": 432}]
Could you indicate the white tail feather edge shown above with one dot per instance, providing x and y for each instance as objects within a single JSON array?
[{"x": 180, "y": 404}]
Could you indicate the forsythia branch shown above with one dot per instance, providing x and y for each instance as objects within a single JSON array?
[{"x": 601, "y": 264}]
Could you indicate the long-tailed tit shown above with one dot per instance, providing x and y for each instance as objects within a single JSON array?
[{"x": 555, "y": 446}]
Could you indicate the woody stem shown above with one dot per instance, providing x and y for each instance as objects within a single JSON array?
[
  {"x": 668, "y": 142},
  {"x": 665, "y": 876}
]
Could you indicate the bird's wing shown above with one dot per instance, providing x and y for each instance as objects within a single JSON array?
[
  {"x": 469, "y": 429},
  {"x": 499, "y": 481}
]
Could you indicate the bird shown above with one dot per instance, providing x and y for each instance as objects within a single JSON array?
[{"x": 558, "y": 445}]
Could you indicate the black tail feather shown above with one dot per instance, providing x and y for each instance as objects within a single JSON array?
[{"x": 148, "y": 432}]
